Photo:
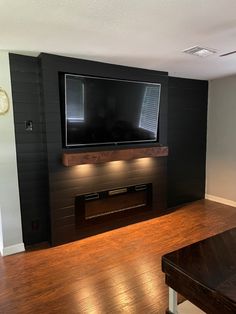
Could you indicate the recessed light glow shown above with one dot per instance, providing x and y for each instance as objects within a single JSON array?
[
  {"x": 85, "y": 169},
  {"x": 116, "y": 165},
  {"x": 144, "y": 161}
]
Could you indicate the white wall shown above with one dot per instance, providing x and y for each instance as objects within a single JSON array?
[
  {"x": 221, "y": 141},
  {"x": 10, "y": 218}
]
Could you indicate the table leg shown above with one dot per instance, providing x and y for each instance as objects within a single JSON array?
[{"x": 173, "y": 301}]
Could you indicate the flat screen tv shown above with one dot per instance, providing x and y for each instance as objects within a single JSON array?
[{"x": 100, "y": 111}]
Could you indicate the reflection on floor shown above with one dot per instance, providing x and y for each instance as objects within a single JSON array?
[{"x": 115, "y": 272}]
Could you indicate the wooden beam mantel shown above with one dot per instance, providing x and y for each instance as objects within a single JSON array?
[{"x": 95, "y": 157}]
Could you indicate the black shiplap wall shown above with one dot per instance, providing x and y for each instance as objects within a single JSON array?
[
  {"x": 67, "y": 182},
  {"x": 187, "y": 126},
  {"x": 31, "y": 148},
  {"x": 187, "y": 113}
]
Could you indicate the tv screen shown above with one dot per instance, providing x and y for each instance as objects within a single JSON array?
[{"x": 100, "y": 111}]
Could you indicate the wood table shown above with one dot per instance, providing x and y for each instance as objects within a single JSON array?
[{"x": 204, "y": 273}]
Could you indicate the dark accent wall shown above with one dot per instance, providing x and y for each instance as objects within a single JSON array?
[
  {"x": 67, "y": 182},
  {"x": 42, "y": 177},
  {"x": 187, "y": 126},
  {"x": 31, "y": 148}
]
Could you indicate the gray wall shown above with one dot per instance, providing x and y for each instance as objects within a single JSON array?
[
  {"x": 10, "y": 220},
  {"x": 221, "y": 141}
]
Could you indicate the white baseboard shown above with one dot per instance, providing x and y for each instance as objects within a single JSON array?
[
  {"x": 13, "y": 249},
  {"x": 220, "y": 200}
]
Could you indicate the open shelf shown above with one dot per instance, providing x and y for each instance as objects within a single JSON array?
[{"x": 95, "y": 157}]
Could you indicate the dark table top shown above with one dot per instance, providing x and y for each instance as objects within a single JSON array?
[{"x": 210, "y": 264}]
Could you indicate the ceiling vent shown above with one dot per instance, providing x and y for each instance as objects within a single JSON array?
[{"x": 199, "y": 51}]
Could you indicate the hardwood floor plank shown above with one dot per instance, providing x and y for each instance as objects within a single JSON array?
[{"x": 115, "y": 272}]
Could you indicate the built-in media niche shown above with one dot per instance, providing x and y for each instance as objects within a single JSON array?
[{"x": 106, "y": 134}]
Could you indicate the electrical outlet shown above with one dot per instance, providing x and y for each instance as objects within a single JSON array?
[{"x": 35, "y": 224}]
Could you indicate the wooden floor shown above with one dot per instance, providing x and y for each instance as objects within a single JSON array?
[{"x": 115, "y": 272}]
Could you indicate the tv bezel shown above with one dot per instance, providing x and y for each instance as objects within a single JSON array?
[{"x": 115, "y": 143}]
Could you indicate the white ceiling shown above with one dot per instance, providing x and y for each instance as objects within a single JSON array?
[{"x": 142, "y": 33}]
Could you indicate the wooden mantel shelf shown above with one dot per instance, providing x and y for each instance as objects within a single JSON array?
[{"x": 92, "y": 157}]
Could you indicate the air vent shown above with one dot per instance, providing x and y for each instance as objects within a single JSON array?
[{"x": 199, "y": 51}]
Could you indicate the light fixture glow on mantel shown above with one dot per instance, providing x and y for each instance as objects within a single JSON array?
[
  {"x": 200, "y": 51},
  {"x": 116, "y": 165},
  {"x": 83, "y": 170}
]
